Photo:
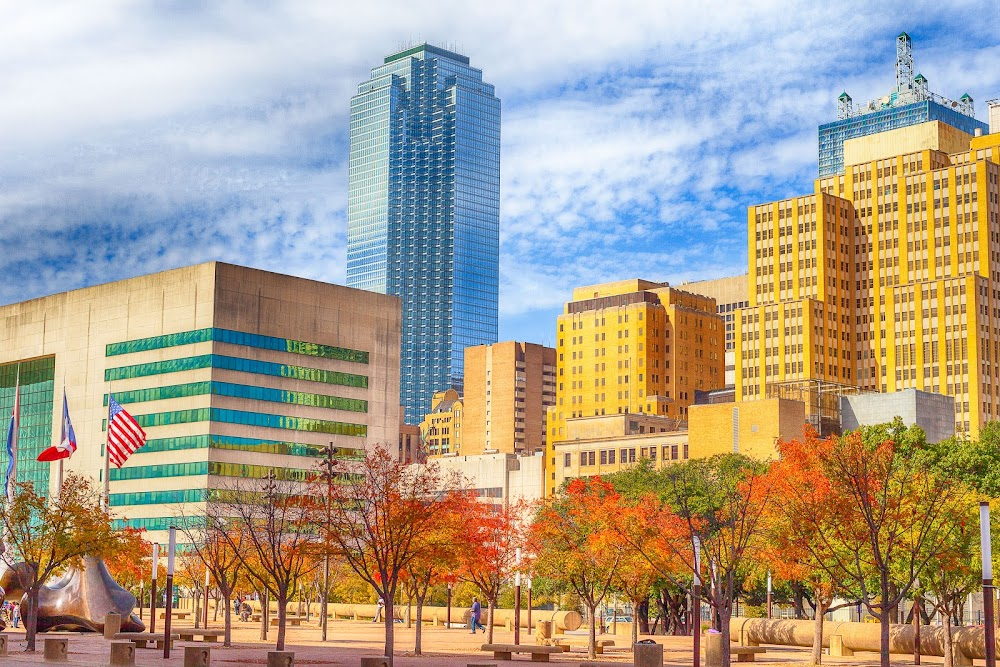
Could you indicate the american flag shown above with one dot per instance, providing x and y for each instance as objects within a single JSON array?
[{"x": 125, "y": 435}]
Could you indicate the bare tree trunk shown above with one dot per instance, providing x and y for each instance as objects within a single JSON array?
[
  {"x": 948, "y": 645},
  {"x": 31, "y": 624},
  {"x": 489, "y": 622},
  {"x": 592, "y": 636},
  {"x": 884, "y": 636},
  {"x": 635, "y": 621},
  {"x": 282, "y": 612},
  {"x": 420, "y": 624},
  {"x": 389, "y": 620},
  {"x": 227, "y": 638},
  {"x": 817, "y": 649},
  {"x": 642, "y": 613}
]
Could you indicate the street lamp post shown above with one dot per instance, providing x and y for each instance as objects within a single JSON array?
[
  {"x": 171, "y": 547},
  {"x": 769, "y": 615},
  {"x": 696, "y": 603},
  {"x": 517, "y": 596},
  {"x": 152, "y": 590},
  {"x": 987, "y": 551},
  {"x": 328, "y": 465}
]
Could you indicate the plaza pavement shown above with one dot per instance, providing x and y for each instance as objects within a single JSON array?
[{"x": 349, "y": 641}]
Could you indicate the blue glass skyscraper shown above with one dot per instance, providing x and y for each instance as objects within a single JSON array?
[{"x": 424, "y": 210}]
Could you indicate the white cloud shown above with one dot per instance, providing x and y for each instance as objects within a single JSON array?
[{"x": 634, "y": 134}]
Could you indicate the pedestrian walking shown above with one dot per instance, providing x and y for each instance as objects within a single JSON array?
[
  {"x": 474, "y": 616},
  {"x": 379, "y": 607}
]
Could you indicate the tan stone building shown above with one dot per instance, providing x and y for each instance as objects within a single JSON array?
[
  {"x": 232, "y": 372},
  {"x": 607, "y": 444},
  {"x": 752, "y": 428},
  {"x": 730, "y": 294},
  {"x": 441, "y": 429},
  {"x": 633, "y": 346},
  {"x": 508, "y": 388}
]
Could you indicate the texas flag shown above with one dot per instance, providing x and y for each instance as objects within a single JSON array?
[{"x": 64, "y": 449}]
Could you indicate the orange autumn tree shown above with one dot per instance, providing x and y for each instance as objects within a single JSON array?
[
  {"x": 488, "y": 556},
  {"x": 128, "y": 563},
  {"x": 439, "y": 551},
  {"x": 575, "y": 543},
  {"x": 720, "y": 503},
  {"x": 634, "y": 577},
  {"x": 799, "y": 550},
  {"x": 381, "y": 511}
]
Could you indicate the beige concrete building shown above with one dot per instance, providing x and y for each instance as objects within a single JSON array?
[
  {"x": 509, "y": 387},
  {"x": 441, "y": 429},
  {"x": 752, "y": 428},
  {"x": 730, "y": 294},
  {"x": 232, "y": 372},
  {"x": 499, "y": 479},
  {"x": 410, "y": 448},
  {"x": 607, "y": 444}
]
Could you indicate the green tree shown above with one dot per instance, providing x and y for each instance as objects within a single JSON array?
[{"x": 45, "y": 536}]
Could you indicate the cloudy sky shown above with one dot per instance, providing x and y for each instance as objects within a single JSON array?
[{"x": 141, "y": 136}]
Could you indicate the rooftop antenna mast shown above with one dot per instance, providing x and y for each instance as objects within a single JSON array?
[{"x": 904, "y": 63}]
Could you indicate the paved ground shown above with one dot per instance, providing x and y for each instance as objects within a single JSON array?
[{"x": 350, "y": 640}]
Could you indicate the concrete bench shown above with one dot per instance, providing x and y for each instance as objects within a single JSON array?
[
  {"x": 140, "y": 639},
  {"x": 176, "y": 614},
  {"x": 746, "y": 653},
  {"x": 566, "y": 644},
  {"x": 189, "y": 634},
  {"x": 291, "y": 620},
  {"x": 506, "y": 651}
]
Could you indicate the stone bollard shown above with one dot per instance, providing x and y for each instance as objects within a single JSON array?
[
  {"x": 57, "y": 649},
  {"x": 543, "y": 631},
  {"x": 197, "y": 656},
  {"x": 375, "y": 661},
  {"x": 112, "y": 624},
  {"x": 837, "y": 647},
  {"x": 280, "y": 658},
  {"x": 713, "y": 649},
  {"x": 648, "y": 655},
  {"x": 509, "y": 625},
  {"x": 3, "y": 644},
  {"x": 122, "y": 654}
]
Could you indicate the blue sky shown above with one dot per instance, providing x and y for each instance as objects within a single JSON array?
[{"x": 136, "y": 137}]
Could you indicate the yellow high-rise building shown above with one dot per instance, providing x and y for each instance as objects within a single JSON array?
[
  {"x": 886, "y": 277},
  {"x": 632, "y": 346},
  {"x": 441, "y": 429}
]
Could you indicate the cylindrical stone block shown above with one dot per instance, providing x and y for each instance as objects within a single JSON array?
[
  {"x": 713, "y": 649},
  {"x": 544, "y": 629},
  {"x": 197, "y": 656},
  {"x": 122, "y": 654},
  {"x": 56, "y": 649},
  {"x": 375, "y": 661},
  {"x": 112, "y": 624},
  {"x": 648, "y": 655},
  {"x": 3, "y": 644},
  {"x": 280, "y": 658}
]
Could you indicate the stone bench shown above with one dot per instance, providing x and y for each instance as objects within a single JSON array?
[
  {"x": 290, "y": 620},
  {"x": 566, "y": 644},
  {"x": 189, "y": 634},
  {"x": 175, "y": 614},
  {"x": 746, "y": 653},
  {"x": 506, "y": 651},
  {"x": 140, "y": 639}
]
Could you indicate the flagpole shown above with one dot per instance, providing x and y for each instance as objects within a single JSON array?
[{"x": 106, "y": 498}]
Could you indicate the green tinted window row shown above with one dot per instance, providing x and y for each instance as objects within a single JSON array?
[
  {"x": 158, "y": 497},
  {"x": 238, "y": 338},
  {"x": 241, "y": 391},
  {"x": 236, "y": 364},
  {"x": 211, "y": 468},
  {"x": 161, "y": 470},
  {"x": 261, "y": 419},
  {"x": 247, "y": 445},
  {"x": 37, "y": 390},
  {"x": 158, "y": 523}
]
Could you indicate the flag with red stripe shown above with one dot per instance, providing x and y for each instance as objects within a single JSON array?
[{"x": 125, "y": 435}]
